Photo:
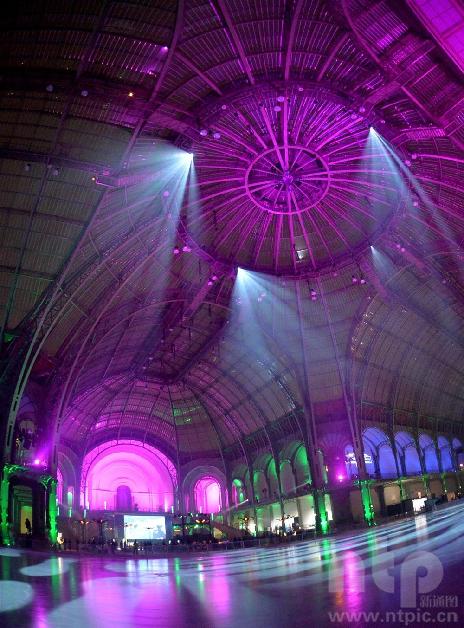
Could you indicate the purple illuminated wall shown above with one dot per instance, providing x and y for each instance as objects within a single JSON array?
[
  {"x": 207, "y": 495},
  {"x": 145, "y": 473}
]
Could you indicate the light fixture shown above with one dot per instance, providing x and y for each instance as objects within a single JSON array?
[
  {"x": 203, "y": 132},
  {"x": 176, "y": 250},
  {"x": 216, "y": 135},
  {"x": 186, "y": 248},
  {"x": 280, "y": 98},
  {"x": 354, "y": 279},
  {"x": 164, "y": 49},
  {"x": 214, "y": 277},
  {"x": 49, "y": 88},
  {"x": 84, "y": 93},
  {"x": 166, "y": 193},
  {"x": 362, "y": 281},
  {"x": 277, "y": 108},
  {"x": 210, "y": 282},
  {"x": 131, "y": 94}
]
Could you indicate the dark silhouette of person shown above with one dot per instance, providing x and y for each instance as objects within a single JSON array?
[{"x": 28, "y": 526}]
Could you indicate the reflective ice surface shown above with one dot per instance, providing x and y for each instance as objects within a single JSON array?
[{"x": 378, "y": 570}]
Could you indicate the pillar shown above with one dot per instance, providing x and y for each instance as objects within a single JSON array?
[
  {"x": 380, "y": 490},
  {"x": 368, "y": 507}
]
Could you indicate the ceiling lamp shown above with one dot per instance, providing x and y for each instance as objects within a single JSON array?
[
  {"x": 210, "y": 282},
  {"x": 354, "y": 279},
  {"x": 186, "y": 248},
  {"x": 176, "y": 250},
  {"x": 214, "y": 277},
  {"x": 216, "y": 135},
  {"x": 84, "y": 93},
  {"x": 204, "y": 132}
]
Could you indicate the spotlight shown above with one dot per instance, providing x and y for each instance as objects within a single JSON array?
[
  {"x": 223, "y": 107},
  {"x": 131, "y": 94},
  {"x": 166, "y": 193},
  {"x": 186, "y": 249},
  {"x": 176, "y": 250},
  {"x": 204, "y": 132},
  {"x": 277, "y": 108},
  {"x": 280, "y": 98},
  {"x": 84, "y": 93},
  {"x": 210, "y": 282},
  {"x": 217, "y": 135},
  {"x": 36, "y": 461},
  {"x": 94, "y": 178},
  {"x": 362, "y": 109},
  {"x": 362, "y": 281},
  {"x": 49, "y": 88},
  {"x": 354, "y": 279},
  {"x": 164, "y": 49},
  {"x": 414, "y": 156},
  {"x": 214, "y": 277}
]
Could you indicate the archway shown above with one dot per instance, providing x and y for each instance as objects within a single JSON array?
[
  {"x": 146, "y": 472},
  {"x": 207, "y": 492},
  {"x": 430, "y": 453},
  {"x": 445, "y": 453},
  {"x": 123, "y": 498},
  {"x": 238, "y": 492},
  {"x": 407, "y": 450}
]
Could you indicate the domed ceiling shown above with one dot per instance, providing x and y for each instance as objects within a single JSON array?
[
  {"x": 276, "y": 101},
  {"x": 287, "y": 180}
]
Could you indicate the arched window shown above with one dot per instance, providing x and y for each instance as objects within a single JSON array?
[
  {"x": 207, "y": 493},
  {"x": 406, "y": 448},
  {"x": 238, "y": 492},
  {"x": 123, "y": 498},
  {"x": 430, "y": 453},
  {"x": 445, "y": 454}
]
